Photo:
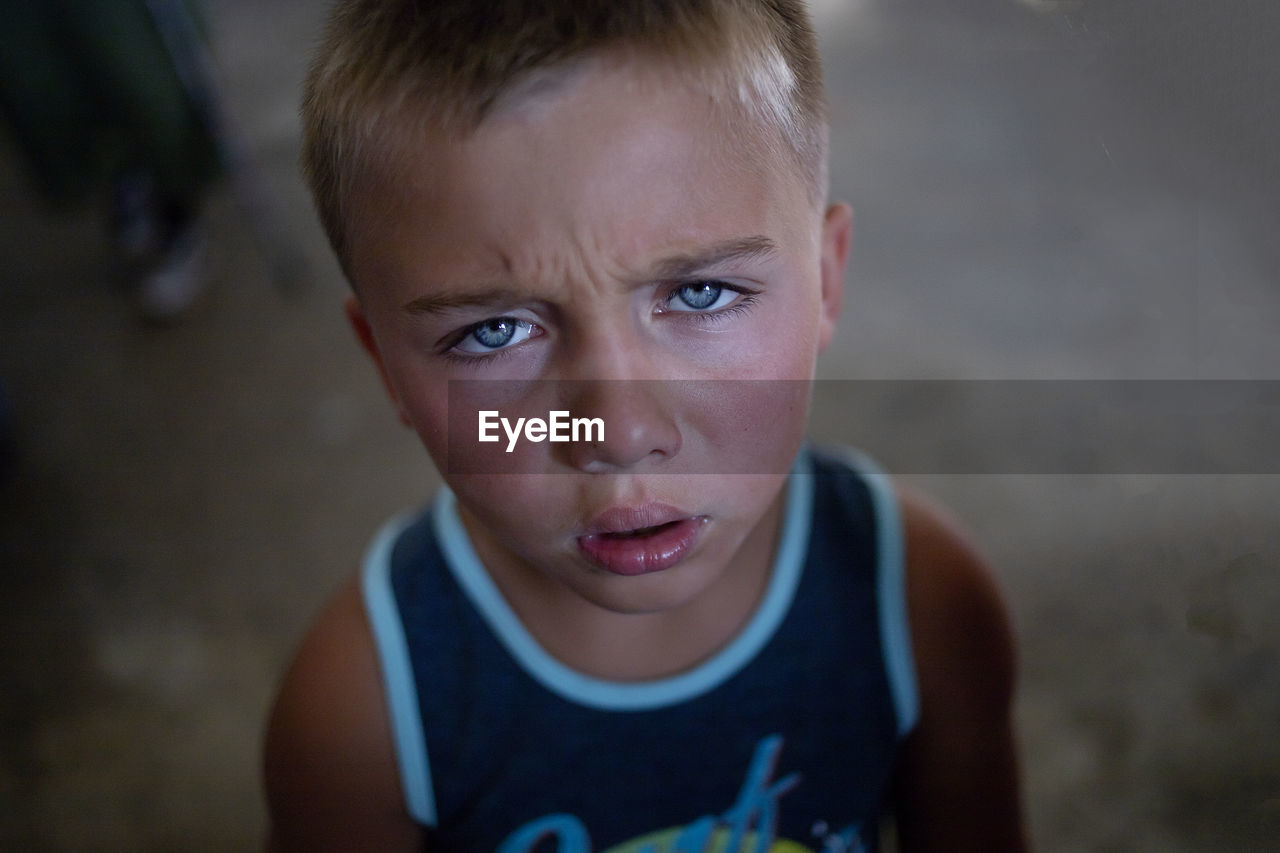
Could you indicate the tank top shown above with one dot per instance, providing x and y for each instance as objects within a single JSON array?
[{"x": 784, "y": 740}]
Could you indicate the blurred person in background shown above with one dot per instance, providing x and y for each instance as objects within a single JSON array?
[{"x": 104, "y": 95}]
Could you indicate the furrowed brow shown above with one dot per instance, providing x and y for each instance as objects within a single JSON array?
[
  {"x": 439, "y": 303},
  {"x": 675, "y": 267},
  {"x": 687, "y": 266}
]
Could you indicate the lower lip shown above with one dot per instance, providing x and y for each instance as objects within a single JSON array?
[{"x": 642, "y": 555}]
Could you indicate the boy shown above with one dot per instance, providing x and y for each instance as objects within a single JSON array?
[{"x": 668, "y": 633}]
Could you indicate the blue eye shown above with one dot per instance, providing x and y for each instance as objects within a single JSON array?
[
  {"x": 700, "y": 296},
  {"x": 494, "y": 334}
]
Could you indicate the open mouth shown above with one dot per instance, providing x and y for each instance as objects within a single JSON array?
[
  {"x": 642, "y": 550},
  {"x": 640, "y": 532}
]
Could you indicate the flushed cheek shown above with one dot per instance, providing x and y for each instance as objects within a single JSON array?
[
  {"x": 748, "y": 426},
  {"x": 774, "y": 345},
  {"x": 537, "y": 502},
  {"x": 425, "y": 405},
  {"x": 444, "y": 412},
  {"x": 490, "y": 427}
]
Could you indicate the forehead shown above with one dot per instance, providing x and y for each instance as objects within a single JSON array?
[{"x": 590, "y": 172}]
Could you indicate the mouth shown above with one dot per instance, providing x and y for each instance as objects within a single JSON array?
[
  {"x": 636, "y": 541},
  {"x": 639, "y": 533}
]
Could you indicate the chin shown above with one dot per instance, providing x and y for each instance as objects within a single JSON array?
[{"x": 656, "y": 593}]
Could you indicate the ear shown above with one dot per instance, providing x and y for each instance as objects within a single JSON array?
[
  {"x": 364, "y": 333},
  {"x": 837, "y": 235}
]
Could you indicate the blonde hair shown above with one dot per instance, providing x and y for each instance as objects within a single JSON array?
[{"x": 388, "y": 67}]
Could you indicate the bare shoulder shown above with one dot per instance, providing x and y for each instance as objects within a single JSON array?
[
  {"x": 961, "y": 629},
  {"x": 958, "y": 782},
  {"x": 329, "y": 761}
]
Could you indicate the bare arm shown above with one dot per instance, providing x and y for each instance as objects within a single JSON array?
[
  {"x": 329, "y": 761},
  {"x": 958, "y": 780}
]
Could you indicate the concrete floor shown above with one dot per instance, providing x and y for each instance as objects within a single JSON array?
[{"x": 1038, "y": 197}]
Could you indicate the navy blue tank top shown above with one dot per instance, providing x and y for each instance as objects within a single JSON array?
[{"x": 785, "y": 740}]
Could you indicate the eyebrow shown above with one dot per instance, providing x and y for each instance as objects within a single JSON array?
[
  {"x": 675, "y": 267},
  {"x": 757, "y": 247},
  {"x": 439, "y": 303}
]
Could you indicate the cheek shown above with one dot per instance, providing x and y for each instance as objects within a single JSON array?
[
  {"x": 487, "y": 430},
  {"x": 519, "y": 510},
  {"x": 444, "y": 412},
  {"x": 424, "y": 402},
  {"x": 783, "y": 337},
  {"x": 749, "y": 426}
]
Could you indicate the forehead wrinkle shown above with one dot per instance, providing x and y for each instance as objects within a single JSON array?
[
  {"x": 549, "y": 278},
  {"x": 535, "y": 272},
  {"x": 550, "y": 270},
  {"x": 565, "y": 259},
  {"x": 753, "y": 248}
]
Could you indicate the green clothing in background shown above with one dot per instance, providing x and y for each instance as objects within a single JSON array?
[{"x": 90, "y": 91}]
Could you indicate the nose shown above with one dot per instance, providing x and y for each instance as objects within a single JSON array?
[
  {"x": 614, "y": 382},
  {"x": 640, "y": 429}
]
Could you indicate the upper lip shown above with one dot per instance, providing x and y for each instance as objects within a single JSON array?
[{"x": 622, "y": 519}]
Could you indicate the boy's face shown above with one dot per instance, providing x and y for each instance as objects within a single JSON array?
[{"x": 608, "y": 248}]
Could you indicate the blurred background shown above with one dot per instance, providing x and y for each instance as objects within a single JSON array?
[{"x": 1043, "y": 191}]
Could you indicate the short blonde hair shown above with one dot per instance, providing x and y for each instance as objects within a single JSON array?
[{"x": 387, "y": 67}]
